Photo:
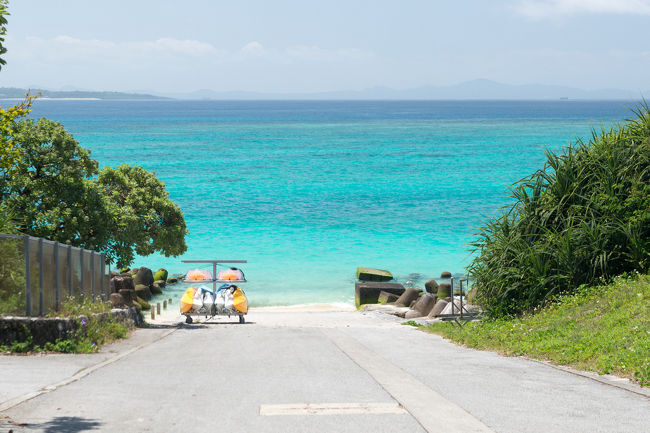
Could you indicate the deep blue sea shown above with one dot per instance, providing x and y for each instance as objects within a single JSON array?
[{"x": 306, "y": 191}]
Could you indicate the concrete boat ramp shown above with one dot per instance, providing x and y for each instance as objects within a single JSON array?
[{"x": 305, "y": 371}]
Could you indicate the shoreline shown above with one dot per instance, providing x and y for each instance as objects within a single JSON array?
[{"x": 334, "y": 306}]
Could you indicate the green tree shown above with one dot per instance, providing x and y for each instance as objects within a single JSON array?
[
  {"x": 148, "y": 220},
  {"x": 52, "y": 191},
  {"x": 59, "y": 193},
  {"x": 9, "y": 153}
]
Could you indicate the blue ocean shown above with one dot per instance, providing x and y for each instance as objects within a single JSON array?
[{"x": 306, "y": 191}]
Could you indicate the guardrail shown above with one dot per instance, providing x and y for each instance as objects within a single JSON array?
[{"x": 36, "y": 274}]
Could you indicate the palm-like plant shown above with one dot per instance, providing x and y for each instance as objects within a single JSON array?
[{"x": 584, "y": 217}]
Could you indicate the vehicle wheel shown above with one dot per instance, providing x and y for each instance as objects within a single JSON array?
[
  {"x": 188, "y": 319},
  {"x": 241, "y": 318}
]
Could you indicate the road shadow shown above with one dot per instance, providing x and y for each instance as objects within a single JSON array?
[{"x": 66, "y": 424}]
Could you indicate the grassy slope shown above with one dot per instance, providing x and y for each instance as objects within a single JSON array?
[{"x": 605, "y": 329}]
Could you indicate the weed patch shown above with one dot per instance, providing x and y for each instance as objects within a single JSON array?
[{"x": 95, "y": 327}]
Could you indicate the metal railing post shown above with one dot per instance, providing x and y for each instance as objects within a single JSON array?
[
  {"x": 103, "y": 275},
  {"x": 56, "y": 275},
  {"x": 28, "y": 280},
  {"x": 451, "y": 283},
  {"x": 69, "y": 270},
  {"x": 81, "y": 261},
  {"x": 92, "y": 274},
  {"x": 40, "y": 276}
]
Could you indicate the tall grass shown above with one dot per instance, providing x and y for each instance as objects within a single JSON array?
[{"x": 582, "y": 219}]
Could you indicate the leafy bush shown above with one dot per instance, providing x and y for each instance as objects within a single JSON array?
[
  {"x": 582, "y": 219},
  {"x": 12, "y": 277}
]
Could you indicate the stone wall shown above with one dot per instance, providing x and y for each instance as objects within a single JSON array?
[{"x": 46, "y": 329}]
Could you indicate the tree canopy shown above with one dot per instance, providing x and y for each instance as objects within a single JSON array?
[
  {"x": 58, "y": 192},
  {"x": 148, "y": 220},
  {"x": 9, "y": 153}
]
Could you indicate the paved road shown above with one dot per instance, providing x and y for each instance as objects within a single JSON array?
[{"x": 306, "y": 372}]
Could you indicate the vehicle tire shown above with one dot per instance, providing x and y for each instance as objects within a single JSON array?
[
  {"x": 188, "y": 320},
  {"x": 241, "y": 318}
]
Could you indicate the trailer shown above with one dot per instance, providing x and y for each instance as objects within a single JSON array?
[{"x": 220, "y": 300}]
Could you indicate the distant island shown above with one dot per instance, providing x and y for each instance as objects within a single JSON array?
[{"x": 18, "y": 93}]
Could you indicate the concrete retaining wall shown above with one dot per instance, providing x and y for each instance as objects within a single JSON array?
[{"x": 46, "y": 329}]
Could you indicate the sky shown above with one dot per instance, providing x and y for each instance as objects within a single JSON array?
[{"x": 298, "y": 46}]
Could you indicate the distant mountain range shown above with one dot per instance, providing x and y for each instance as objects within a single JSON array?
[
  {"x": 468, "y": 90},
  {"x": 15, "y": 92},
  {"x": 475, "y": 89}
]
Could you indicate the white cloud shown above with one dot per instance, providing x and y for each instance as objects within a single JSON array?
[
  {"x": 177, "y": 64},
  {"x": 253, "y": 48},
  {"x": 549, "y": 8},
  {"x": 186, "y": 47}
]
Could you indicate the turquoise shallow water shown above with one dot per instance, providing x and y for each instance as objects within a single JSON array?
[{"x": 308, "y": 191}]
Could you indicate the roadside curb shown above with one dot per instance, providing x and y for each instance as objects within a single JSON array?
[
  {"x": 609, "y": 380},
  {"x": 6, "y": 405}
]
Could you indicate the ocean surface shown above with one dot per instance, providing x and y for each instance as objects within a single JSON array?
[{"x": 306, "y": 191}]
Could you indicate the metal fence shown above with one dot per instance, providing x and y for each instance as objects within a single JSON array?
[{"x": 37, "y": 274}]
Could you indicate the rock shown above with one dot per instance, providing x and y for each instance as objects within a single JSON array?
[
  {"x": 161, "y": 274},
  {"x": 388, "y": 309},
  {"x": 437, "y": 308},
  {"x": 386, "y": 297},
  {"x": 368, "y": 292},
  {"x": 144, "y": 305},
  {"x": 467, "y": 308},
  {"x": 124, "y": 271},
  {"x": 431, "y": 286},
  {"x": 456, "y": 305},
  {"x": 121, "y": 282},
  {"x": 143, "y": 276},
  {"x": 161, "y": 283},
  {"x": 111, "y": 286},
  {"x": 422, "y": 306},
  {"x": 172, "y": 280},
  {"x": 143, "y": 291},
  {"x": 445, "y": 275},
  {"x": 407, "y": 297},
  {"x": 444, "y": 290},
  {"x": 113, "y": 274},
  {"x": 412, "y": 304},
  {"x": 157, "y": 287},
  {"x": 371, "y": 274},
  {"x": 128, "y": 283},
  {"x": 117, "y": 300},
  {"x": 128, "y": 296}
]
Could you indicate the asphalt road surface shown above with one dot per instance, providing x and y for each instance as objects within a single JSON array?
[{"x": 306, "y": 372}]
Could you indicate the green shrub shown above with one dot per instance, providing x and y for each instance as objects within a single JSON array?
[
  {"x": 12, "y": 272},
  {"x": 582, "y": 219}
]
